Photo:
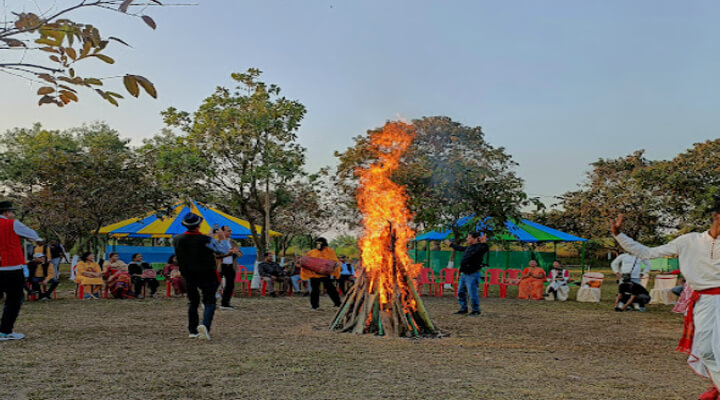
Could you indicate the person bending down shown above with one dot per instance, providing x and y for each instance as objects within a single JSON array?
[{"x": 631, "y": 294}]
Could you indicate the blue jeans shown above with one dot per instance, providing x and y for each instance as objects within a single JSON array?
[{"x": 469, "y": 283}]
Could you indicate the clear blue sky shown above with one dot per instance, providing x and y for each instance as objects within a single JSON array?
[{"x": 558, "y": 83}]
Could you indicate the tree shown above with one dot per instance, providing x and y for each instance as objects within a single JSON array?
[
  {"x": 450, "y": 171},
  {"x": 72, "y": 183},
  {"x": 612, "y": 186},
  {"x": 686, "y": 185},
  {"x": 244, "y": 147},
  {"x": 303, "y": 211},
  {"x": 67, "y": 43}
]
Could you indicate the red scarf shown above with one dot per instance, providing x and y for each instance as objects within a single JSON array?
[{"x": 686, "y": 341}]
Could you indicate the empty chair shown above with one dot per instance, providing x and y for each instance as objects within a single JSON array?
[
  {"x": 661, "y": 292},
  {"x": 427, "y": 277},
  {"x": 590, "y": 287},
  {"x": 448, "y": 276},
  {"x": 242, "y": 279},
  {"x": 494, "y": 276}
]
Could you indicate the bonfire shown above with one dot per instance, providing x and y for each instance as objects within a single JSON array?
[{"x": 384, "y": 299}]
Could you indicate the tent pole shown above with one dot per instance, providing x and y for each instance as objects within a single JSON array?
[
  {"x": 582, "y": 258},
  {"x": 506, "y": 247},
  {"x": 416, "y": 246},
  {"x": 555, "y": 249}
]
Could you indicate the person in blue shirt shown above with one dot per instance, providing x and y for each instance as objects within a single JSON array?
[{"x": 347, "y": 275}]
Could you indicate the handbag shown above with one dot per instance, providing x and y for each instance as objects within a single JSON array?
[{"x": 319, "y": 266}]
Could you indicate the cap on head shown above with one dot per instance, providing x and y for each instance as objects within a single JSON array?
[
  {"x": 192, "y": 221},
  {"x": 6, "y": 206}
]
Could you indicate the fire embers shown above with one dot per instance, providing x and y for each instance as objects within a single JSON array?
[{"x": 384, "y": 300}]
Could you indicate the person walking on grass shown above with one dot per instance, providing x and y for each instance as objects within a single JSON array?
[
  {"x": 196, "y": 258},
  {"x": 12, "y": 262},
  {"x": 699, "y": 259},
  {"x": 470, "y": 265}
]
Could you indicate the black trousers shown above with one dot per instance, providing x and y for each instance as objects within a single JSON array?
[
  {"x": 139, "y": 282},
  {"x": 315, "y": 291},
  {"x": 227, "y": 271},
  {"x": 343, "y": 283},
  {"x": 11, "y": 285},
  {"x": 206, "y": 283}
]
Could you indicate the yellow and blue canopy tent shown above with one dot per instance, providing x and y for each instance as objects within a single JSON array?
[{"x": 153, "y": 226}]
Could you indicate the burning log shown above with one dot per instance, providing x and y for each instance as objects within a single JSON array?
[
  {"x": 384, "y": 300},
  {"x": 360, "y": 313}
]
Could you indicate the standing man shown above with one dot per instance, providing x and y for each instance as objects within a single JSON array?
[
  {"x": 322, "y": 250},
  {"x": 699, "y": 258},
  {"x": 635, "y": 266},
  {"x": 57, "y": 252},
  {"x": 228, "y": 269},
  {"x": 12, "y": 261},
  {"x": 470, "y": 265},
  {"x": 196, "y": 259}
]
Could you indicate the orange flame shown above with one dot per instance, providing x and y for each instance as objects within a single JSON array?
[{"x": 386, "y": 232}]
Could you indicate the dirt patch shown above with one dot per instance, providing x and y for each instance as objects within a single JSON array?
[{"x": 277, "y": 348}]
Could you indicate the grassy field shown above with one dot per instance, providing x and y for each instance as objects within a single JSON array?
[{"x": 276, "y": 348}]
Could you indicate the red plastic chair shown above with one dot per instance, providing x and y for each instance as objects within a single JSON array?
[
  {"x": 495, "y": 278},
  {"x": 448, "y": 276},
  {"x": 427, "y": 277},
  {"x": 512, "y": 277},
  {"x": 242, "y": 279}
]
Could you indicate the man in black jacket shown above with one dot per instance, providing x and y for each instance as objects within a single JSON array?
[
  {"x": 470, "y": 265},
  {"x": 196, "y": 258}
]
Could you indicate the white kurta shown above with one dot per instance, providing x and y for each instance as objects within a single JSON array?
[
  {"x": 558, "y": 282},
  {"x": 699, "y": 259}
]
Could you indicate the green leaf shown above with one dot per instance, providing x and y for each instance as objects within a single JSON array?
[
  {"x": 131, "y": 85},
  {"x": 46, "y": 100},
  {"x": 71, "y": 52},
  {"x": 119, "y": 40},
  {"x": 147, "y": 85},
  {"x": 104, "y": 58},
  {"x": 45, "y": 90},
  {"x": 124, "y": 5},
  {"x": 149, "y": 21}
]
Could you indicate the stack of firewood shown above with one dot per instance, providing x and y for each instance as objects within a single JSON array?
[{"x": 361, "y": 311}]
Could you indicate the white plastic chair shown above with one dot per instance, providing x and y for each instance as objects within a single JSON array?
[
  {"x": 587, "y": 294},
  {"x": 661, "y": 292}
]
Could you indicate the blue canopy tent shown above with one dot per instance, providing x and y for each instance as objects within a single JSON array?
[
  {"x": 524, "y": 231},
  {"x": 153, "y": 226}
]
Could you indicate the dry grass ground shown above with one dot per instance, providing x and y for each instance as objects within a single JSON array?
[{"x": 276, "y": 348}]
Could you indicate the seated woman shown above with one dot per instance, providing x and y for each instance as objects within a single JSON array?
[
  {"x": 531, "y": 282},
  {"x": 558, "y": 278},
  {"x": 142, "y": 274},
  {"x": 171, "y": 272},
  {"x": 117, "y": 277},
  {"x": 89, "y": 275}
]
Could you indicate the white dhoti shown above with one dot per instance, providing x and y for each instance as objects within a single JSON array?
[
  {"x": 705, "y": 351},
  {"x": 562, "y": 290}
]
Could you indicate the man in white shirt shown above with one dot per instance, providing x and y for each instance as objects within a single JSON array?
[
  {"x": 228, "y": 269},
  {"x": 635, "y": 266},
  {"x": 699, "y": 258}
]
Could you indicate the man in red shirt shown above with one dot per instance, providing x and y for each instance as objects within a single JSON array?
[{"x": 12, "y": 261}]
